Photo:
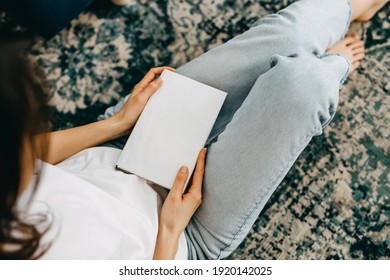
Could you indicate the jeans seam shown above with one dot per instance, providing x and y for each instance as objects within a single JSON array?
[{"x": 260, "y": 200}]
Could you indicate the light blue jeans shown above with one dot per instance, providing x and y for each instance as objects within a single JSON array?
[{"x": 282, "y": 91}]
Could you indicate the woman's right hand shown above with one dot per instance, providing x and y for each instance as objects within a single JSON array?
[
  {"x": 128, "y": 115},
  {"x": 178, "y": 209}
]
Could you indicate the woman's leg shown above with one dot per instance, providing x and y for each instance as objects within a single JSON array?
[
  {"x": 304, "y": 27},
  {"x": 364, "y": 10},
  {"x": 286, "y": 107},
  {"x": 307, "y": 26}
]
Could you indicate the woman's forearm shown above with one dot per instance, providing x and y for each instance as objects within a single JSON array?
[
  {"x": 166, "y": 245},
  {"x": 65, "y": 143}
]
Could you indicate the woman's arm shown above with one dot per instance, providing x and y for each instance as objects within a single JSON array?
[
  {"x": 65, "y": 143},
  {"x": 178, "y": 209}
]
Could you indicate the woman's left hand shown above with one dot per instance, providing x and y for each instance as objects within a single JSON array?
[
  {"x": 132, "y": 109},
  {"x": 178, "y": 208}
]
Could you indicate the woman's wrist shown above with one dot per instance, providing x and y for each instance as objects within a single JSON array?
[
  {"x": 118, "y": 126},
  {"x": 167, "y": 243},
  {"x": 166, "y": 230}
]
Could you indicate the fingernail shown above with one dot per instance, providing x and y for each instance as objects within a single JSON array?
[{"x": 183, "y": 169}]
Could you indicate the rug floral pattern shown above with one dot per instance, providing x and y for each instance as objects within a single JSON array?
[{"x": 333, "y": 204}]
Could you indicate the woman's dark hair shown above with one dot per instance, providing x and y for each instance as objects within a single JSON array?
[{"x": 24, "y": 114}]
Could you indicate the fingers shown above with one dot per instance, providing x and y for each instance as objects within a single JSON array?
[
  {"x": 169, "y": 68},
  {"x": 151, "y": 88},
  {"x": 196, "y": 188},
  {"x": 151, "y": 75},
  {"x": 178, "y": 185},
  {"x": 197, "y": 181}
]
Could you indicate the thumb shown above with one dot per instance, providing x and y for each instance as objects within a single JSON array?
[{"x": 181, "y": 178}]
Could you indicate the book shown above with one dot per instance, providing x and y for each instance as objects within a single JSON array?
[{"x": 171, "y": 130}]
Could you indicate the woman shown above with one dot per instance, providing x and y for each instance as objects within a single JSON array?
[{"x": 282, "y": 90}]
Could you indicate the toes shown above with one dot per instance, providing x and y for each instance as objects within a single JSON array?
[
  {"x": 350, "y": 39},
  {"x": 354, "y": 66},
  {"x": 358, "y": 50},
  {"x": 357, "y": 44},
  {"x": 358, "y": 56}
]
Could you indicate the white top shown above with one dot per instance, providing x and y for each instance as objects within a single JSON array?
[{"x": 99, "y": 212}]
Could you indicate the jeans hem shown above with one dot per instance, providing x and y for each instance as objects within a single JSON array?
[{"x": 344, "y": 78}]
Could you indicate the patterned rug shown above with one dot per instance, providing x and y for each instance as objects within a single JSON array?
[{"x": 334, "y": 203}]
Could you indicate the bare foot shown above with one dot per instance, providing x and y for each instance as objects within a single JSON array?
[
  {"x": 352, "y": 48},
  {"x": 372, "y": 11}
]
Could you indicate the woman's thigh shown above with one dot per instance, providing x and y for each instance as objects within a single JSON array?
[{"x": 305, "y": 27}]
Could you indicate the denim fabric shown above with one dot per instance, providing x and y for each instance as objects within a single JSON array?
[{"x": 282, "y": 91}]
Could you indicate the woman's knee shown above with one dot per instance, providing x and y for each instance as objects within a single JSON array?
[{"x": 302, "y": 87}]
